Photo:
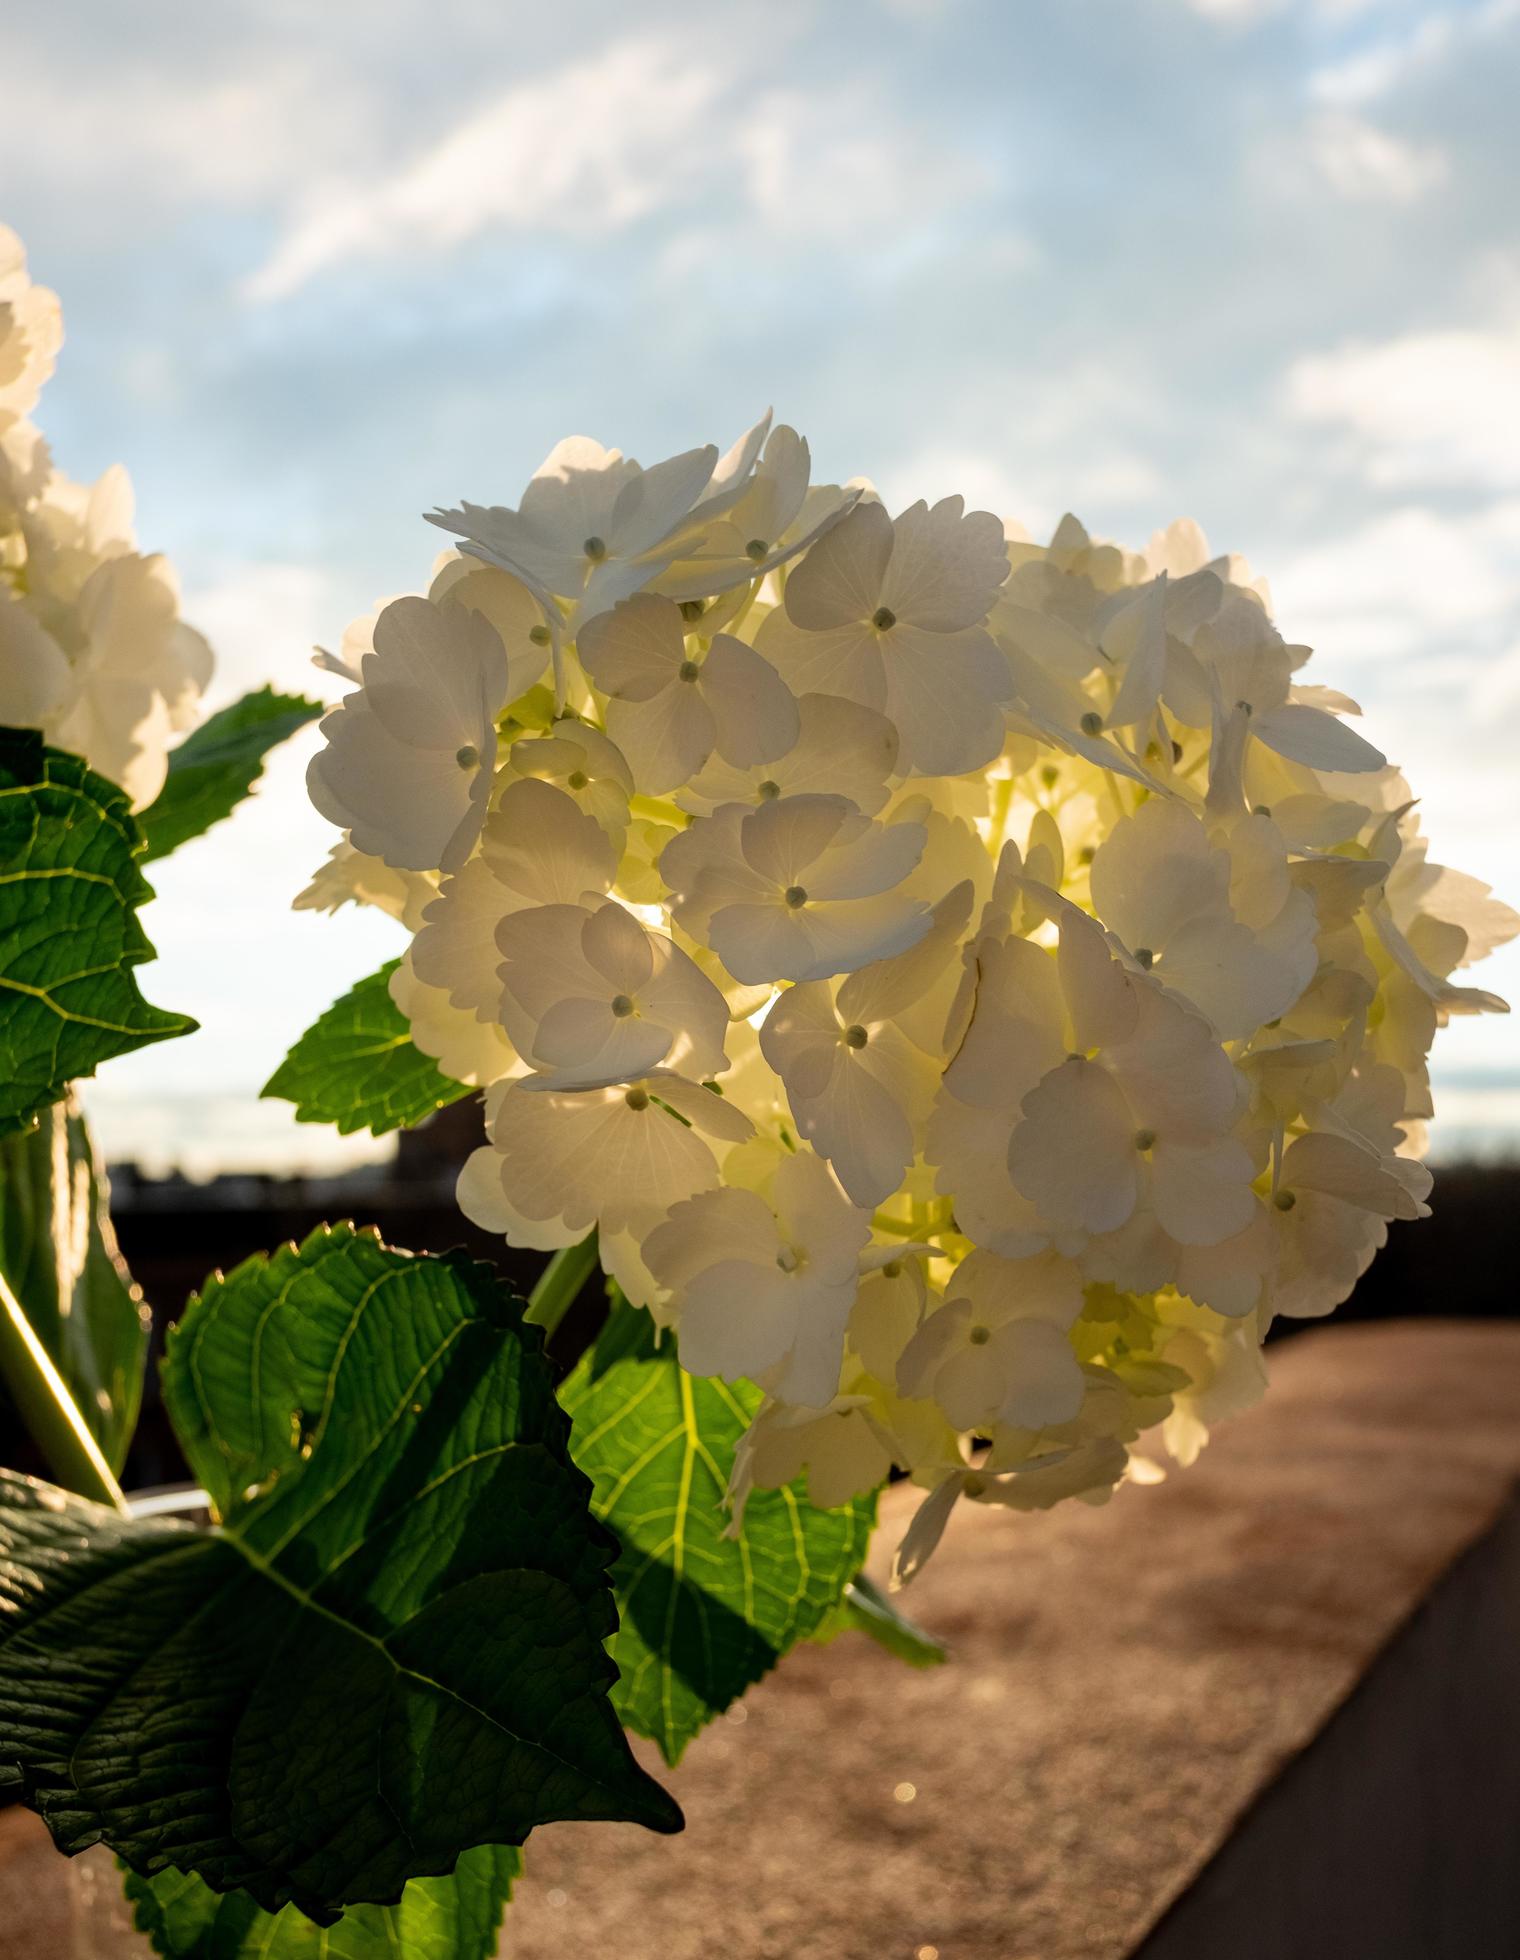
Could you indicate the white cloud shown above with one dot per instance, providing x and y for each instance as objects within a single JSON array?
[
  {"x": 586, "y": 150},
  {"x": 644, "y": 128},
  {"x": 1377, "y": 70},
  {"x": 229, "y": 138},
  {"x": 1404, "y": 585},
  {"x": 1425, "y": 408},
  {"x": 1366, "y": 164},
  {"x": 262, "y": 622}
]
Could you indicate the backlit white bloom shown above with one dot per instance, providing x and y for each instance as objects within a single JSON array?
[
  {"x": 971, "y": 985},
  {"x": 671, "y": 702},
  {"x": 537, "y": 848},
  {"x": 591, "y": 996},
  {"x": 562, "y": 1161},
  {"x": 762, "y": 1288},
  {"x": 1164, "y": 889},
  {"x": 842, "y": 749},
  {"x": 893, "y": 615},
  {"x": 799, "y": 888},
  {"x": 411, "y": 754}
]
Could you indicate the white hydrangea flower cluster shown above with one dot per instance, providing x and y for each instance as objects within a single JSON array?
[
  {"x": 971, "y": 985},
  {"x": 92, "y": 648}
]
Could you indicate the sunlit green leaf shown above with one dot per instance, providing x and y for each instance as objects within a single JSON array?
[
  {"x": 391, "y": 1647},
  {"x": 70, "y": 886},
  {"x": 701, "y": 1616},
  {"x": 358, "y": 1067},
  {"x": 217, "y": 765}
]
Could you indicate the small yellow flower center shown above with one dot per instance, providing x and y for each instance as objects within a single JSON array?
[
  {"x": 1145, "y": 1139},
  {"x": 693, "y": 608},
  {"x": 622, "y": 1006},
  {"x": 539, "y": 635},
  {"x": 1091, "y": 723},
  {"x": 636, "y": 1098},
  {"x": 855, "y": 1036},
  {"x": 577, "y": 779},
  {"x": 884, "y": 619},
  {"x": 756, "y": 549},
  {"x": 795, "y": 896},
  {"x": 1285, "y": 1200},
  {"x": 768, "y": 791},
  {"x": 974, "y": 1486},
  {"x": 790, "y": 1258},
  {"x": 595, "y": 549},
  {"x": 979, "y": 1336},
  {"x": 892, "y": 1269},
  {"x": 1050, "y": 775},
  {"x": 1146, "y": 957},
  {"x": 689, "y": 669},
  {"x": 468, "y": 757}
]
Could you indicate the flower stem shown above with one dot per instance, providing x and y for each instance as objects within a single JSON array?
[
  {"x": 560, "y": 1282},
  {"x": 48, "y": 1409}
]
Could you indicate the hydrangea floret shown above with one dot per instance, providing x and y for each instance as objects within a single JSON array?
[{"x": 971, "y": 986}]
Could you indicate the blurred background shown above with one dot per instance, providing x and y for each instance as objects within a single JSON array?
[{"x": 1250, "y": 260}]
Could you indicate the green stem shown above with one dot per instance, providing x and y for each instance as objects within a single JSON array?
[
  {"x": 560, "y": 1283},
  {"x": 48, "y": 1409}
]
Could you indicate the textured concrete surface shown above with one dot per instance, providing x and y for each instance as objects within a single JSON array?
[{"x": 1126, "y": 1684}]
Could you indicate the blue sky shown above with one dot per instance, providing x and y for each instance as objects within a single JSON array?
[{"x": 1252, "y": 260}]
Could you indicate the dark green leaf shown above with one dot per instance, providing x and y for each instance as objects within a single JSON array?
[
  {"x": 70, "y": 887},
  {"x": 358, "y": 1067},
  {"x": 454, "y": 1918},
  {"x": 59, "y": 1253},
  {"x": 213, "y": 769},
  {"x": 391, "y": 1648},
  {"x": 701, "y": 1616},
  {"x": 866, "y": 1609}
]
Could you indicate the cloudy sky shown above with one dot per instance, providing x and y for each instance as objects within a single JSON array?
[{"x": 1254, "y": 260}]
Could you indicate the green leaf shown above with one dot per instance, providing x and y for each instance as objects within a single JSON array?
[
  {"x": 70, "y": 887},
  {"x": 454, "y": 1918},
  {"x": 866, "y": 1609},
  {"x": 358, "y": 1067},
  {"x": 59, "y": 1253},
  {"x": 701, "y": 1616},
  {"x": 391, "y": 1647},
  {"x": 214, "y": 768}
]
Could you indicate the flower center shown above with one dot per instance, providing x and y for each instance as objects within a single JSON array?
[
  {"x": 636, "y": 1098},
  {"x": 884, "y": 619},
  {"x": 1091, "y": 723},
  {"x": 689, "y": 669},
  {"x": 1146, "y": 957},
  {"x": 795, "y": 896},
  {"x": 892, "y": 1268},
  {"x": 1285, "y": 1200},
  {"x": 622, "y": 1006},
  {"x": 595, "y": 549},
  {"x": 468, "y": 757},
  {"x": 577, "y": 779},
  {"x": 693, "y": 608},
  {"x": 855, "y": 1036},
  {"x": 790, "y": 1258},
  {"x": 979, "y": 1336},
  {"x": 974, "y": 1486},
  {"x": 756, "y": 549},
  {"x": 539, "y": 635},
  {"x": 1145, "y": 1139},
  {"x": 768, "y": 791}
]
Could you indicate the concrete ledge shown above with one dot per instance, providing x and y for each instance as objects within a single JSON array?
[{"x": 1270, "y": 1709}]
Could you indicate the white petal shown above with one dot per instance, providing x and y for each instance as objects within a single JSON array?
[
  {"x": 840, "y": 579},
  {"x": 1074, "y": 1154},
  {"x": 753, "y": 708}
]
